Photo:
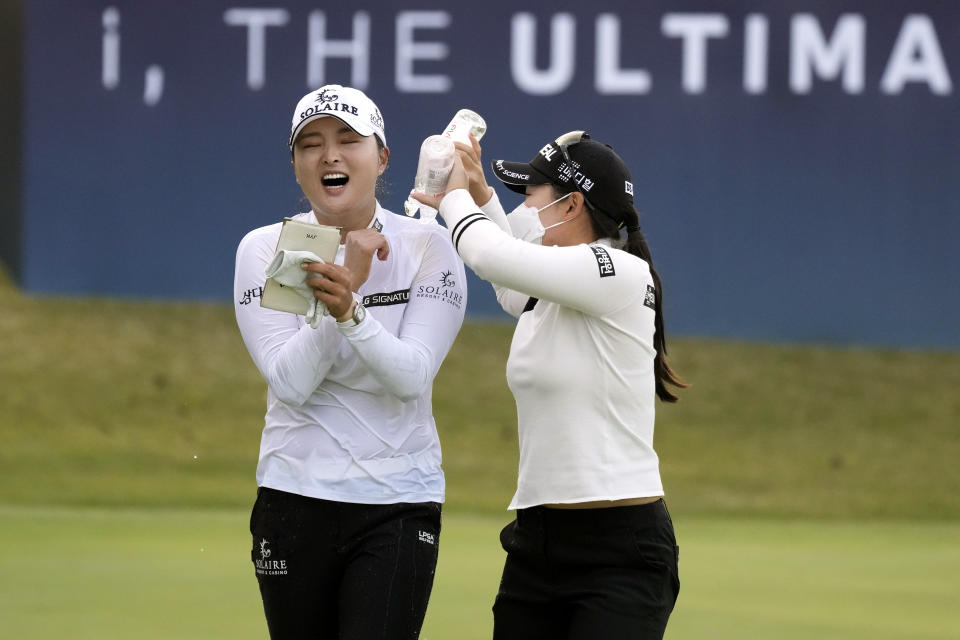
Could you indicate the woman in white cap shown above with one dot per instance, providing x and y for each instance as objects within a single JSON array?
[
  {"x": 592, "y": 552},
  {"x": 347, "y": 517}
]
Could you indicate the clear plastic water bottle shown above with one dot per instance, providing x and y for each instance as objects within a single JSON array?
[
  {"x": 436, "y": 160},
  {"x": 465, "y": 122}
]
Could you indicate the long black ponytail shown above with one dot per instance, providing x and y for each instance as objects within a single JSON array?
[{"x": 637, "y": 245}]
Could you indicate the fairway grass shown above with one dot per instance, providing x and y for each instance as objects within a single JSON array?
[
  {"x": 157, "y": 574},
  {"x": 129, "y": 403},
  {"x": 813, "y": 488}
]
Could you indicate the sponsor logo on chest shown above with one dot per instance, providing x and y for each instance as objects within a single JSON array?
[{"x": 386, "y": 299}]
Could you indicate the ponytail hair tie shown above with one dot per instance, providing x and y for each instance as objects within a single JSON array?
[{"x": 633, "y": 229}]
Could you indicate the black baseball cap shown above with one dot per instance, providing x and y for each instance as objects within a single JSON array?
[{"x": 575, "y": 161}]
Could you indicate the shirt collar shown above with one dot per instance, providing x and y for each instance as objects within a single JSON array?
[
  {"x": 379, "y": 215},
  {"x": 376, "y": 222}
]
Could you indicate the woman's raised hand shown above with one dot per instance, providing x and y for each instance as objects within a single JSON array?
[
  {"x": 471, "y": 154},
  {"x": 359, "y": 248}
]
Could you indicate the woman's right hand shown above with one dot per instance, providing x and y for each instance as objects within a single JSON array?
[
  {"x": 359, "y": 248},
  {"x": 470, "y": 154}
]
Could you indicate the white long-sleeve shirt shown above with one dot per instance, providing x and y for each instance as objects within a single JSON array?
[
  {"x": 349, "y": 414},
  {"x": 581, "y": 361}
]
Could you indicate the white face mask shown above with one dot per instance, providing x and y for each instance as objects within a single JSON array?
[{"x": 525, "y": 222}]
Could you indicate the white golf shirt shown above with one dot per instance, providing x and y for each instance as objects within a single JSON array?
[
  {"x": 349, "y": 415},
  {"x": 581, "y": 361}
]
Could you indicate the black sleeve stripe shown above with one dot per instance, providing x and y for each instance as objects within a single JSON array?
[
  {"x": 456, "y": 227},
  {"x": 456, "y": 243},
  {"x": 463, "y": 225}
]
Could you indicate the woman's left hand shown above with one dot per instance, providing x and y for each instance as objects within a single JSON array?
[
  {"x": 480, "y": 191},
  {"x": 333, "y": 289}
]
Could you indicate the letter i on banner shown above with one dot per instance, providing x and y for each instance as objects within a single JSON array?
[{"x": 110, "y": 69}]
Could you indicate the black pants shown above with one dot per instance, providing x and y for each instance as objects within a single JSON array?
[
  {"x": 341, "y": 570},
  {"x": 587, "y": 573}
]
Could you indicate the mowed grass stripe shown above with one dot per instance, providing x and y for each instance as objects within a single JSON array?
[{"x": 160, "y": 574}]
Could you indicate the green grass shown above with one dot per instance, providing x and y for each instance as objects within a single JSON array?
[
  {"x": 158, "y": 574},
  {"x": 117, "y": 403},
  {"x": 814, "y": 489}
]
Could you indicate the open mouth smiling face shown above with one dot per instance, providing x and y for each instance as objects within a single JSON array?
[
  {"x": 337, "y": 168},
  {"x": 334, "y": 180}
]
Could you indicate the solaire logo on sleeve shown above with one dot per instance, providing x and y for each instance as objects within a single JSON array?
[{"x": 445, "y": 290}]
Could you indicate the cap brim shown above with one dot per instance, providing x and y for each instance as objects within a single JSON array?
[
  {"x": 364, "y": 131},
  {"x": 517, "y": 175}
]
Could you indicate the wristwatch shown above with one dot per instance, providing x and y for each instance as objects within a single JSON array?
[{"x": 359, "y": 313}]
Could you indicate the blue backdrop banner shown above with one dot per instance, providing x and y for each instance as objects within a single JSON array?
[{"x": 795, "y": 163}]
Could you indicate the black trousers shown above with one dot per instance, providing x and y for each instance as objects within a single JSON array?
[
  {"x": 587, "y": 573},
  {"x": 341, "y": 570}
]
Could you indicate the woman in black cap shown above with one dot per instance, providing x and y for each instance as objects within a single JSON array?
[{"x": 592, "y": 552}]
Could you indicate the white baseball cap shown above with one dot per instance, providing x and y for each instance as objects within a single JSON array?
[{"x": 347, "y": 104}]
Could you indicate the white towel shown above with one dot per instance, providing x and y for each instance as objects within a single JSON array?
[{"x": 285, "y": 269}]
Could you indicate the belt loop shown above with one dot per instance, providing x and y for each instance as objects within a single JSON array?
[
  {"x": 523, "y": 517},
  {"x": 531, "y": 518}
]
